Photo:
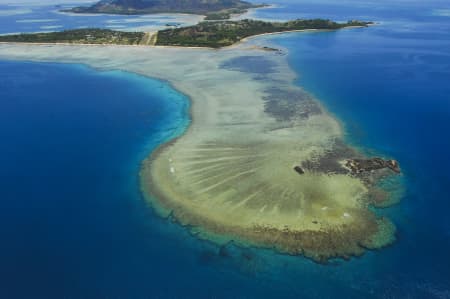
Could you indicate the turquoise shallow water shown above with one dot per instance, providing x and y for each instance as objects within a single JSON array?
[{"x": 72, "y": 221}]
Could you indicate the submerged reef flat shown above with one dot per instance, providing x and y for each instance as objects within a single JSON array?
[{"x": 262, "y": 162}]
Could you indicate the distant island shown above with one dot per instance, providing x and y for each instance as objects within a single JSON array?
[
  {"x": 213, "y": 9},
  {"x": 205, "y": 34}
]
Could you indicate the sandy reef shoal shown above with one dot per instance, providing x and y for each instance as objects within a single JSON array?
[{"x": 231, "y": 174}]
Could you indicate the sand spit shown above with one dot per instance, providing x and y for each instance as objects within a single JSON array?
[{"x": 231, "y": 175}]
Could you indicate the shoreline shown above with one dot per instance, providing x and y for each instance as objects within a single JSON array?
[
  {"x": 190, "y": 148},
  {"x": 248, "y": 38}
]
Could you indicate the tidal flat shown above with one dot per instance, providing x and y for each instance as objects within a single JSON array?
[{"x": 262, "y": 162}]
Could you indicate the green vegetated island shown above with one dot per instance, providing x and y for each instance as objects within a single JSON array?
[
  {"x": 79, "y": 36},
  {"x": 212, "y": 9},
  {"x": 205, "y": 34},
  {"x": 226, "y": 33}
]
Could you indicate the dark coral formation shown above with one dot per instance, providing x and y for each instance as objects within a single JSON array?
[
  {"x": 328, "y": 162},
  {"x": 250, "y": 64},
  {"x": 330, "y": 242},
  {"x": 290, "y": 104}
]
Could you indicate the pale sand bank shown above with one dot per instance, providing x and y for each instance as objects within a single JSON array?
[{"x": 231, "y": 174}]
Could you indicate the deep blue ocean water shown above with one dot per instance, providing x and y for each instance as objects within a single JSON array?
[{"x": 73, "y": 224}]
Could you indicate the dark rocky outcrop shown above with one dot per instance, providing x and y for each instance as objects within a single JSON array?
[
  {"x": 299, "y": 170},
  {"x": 364, "y": 165}
]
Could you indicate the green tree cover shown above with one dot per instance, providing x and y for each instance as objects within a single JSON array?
[
  {"x": 225, "y": 33},
  {"x": 79, "y": 36}
]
